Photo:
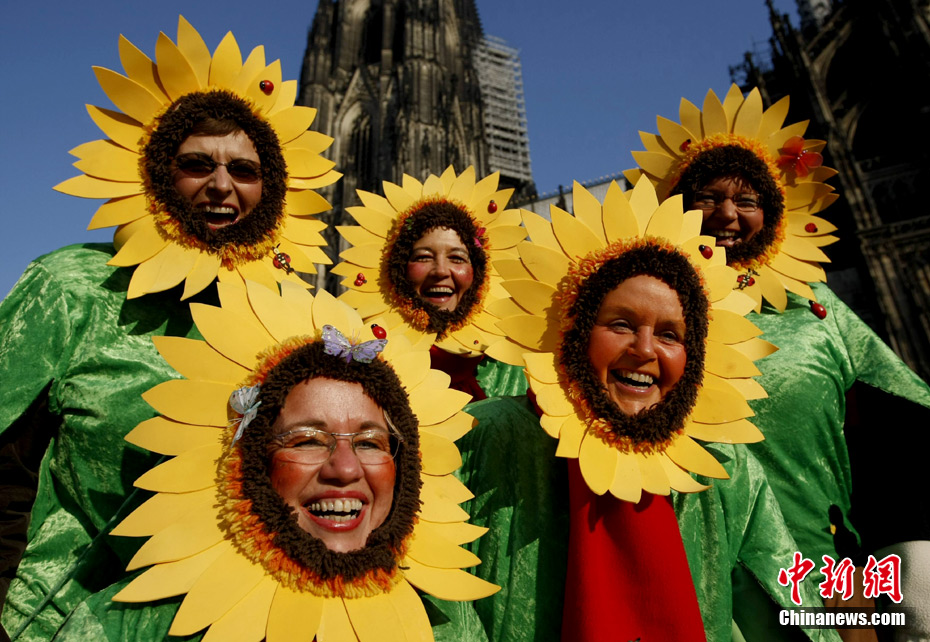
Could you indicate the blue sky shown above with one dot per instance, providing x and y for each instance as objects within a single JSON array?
[{"x": 595, "y": 72}]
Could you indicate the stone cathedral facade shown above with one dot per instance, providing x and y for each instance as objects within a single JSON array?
[
  {"x": 859, "y": 70},
  {"x": 396, "y": 87}
]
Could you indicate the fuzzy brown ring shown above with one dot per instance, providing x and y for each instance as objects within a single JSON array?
[
  {"x": 384, "y": 543},
  {"x": 733, "y": 161},
  {"x": 173, "y": 128},
  {"x": 654, "y": 426},
  {"x": 426, "y": 217}
]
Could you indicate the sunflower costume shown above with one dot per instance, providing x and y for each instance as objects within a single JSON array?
[
  {"x": 222, "y": 535},
  {"x": 374, "y": 269},
  {"x": 832, "y": 381},
  {"x": 75, "y": 331},
  {"x": 623, "y": 542}
]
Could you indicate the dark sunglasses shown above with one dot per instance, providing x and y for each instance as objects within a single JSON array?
[{"x": 197, "y": 165}]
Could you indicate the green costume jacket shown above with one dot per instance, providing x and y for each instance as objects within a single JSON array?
[
  {"x": 75, "y": 357},
  {"x": 867, "y": 469}
]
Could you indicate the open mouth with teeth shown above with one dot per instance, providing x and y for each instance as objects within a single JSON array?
[
  {"x": 339, "y": 513},
  {"x": 438, "y": 294},
  {"x": 218, "y": 216},
  {"x": 726, "y": 238},
  {"x": 638, "y": 380}
]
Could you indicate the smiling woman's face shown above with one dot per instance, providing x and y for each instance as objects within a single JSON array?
[
  {"x": 440, "y": 269},
  {"x": 637, "y": 346},
  {"x": 223, "y": 196},
  {"x": 339, "y": 501}
]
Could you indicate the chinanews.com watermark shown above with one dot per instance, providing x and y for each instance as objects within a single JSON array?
[
  {"x": 879, "y": 577},
  {"x": 839, "y": 618}
]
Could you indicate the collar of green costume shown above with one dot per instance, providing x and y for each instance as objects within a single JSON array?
[
  {"x": 581, "y": 294},
  {"x": 265, "y": 529},
  {"x": 410, "y": 227},
  {"x": 710, "y": 160},
  {"x": 254, "y": 235}
]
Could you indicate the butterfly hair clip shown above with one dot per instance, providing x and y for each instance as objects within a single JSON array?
[
  {"x": 245, "y": 402},
  {"x": 336, "y": 344}
]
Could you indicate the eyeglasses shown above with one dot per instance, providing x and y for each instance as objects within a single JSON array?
[
  {"x": 197, "y": 165},
  {"x": 312, "y": 446},
  {"x": 744, "y": 203}
]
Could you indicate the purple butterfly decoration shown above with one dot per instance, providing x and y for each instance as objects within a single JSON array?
[
  {"x": 245, "y": 402},
  {"x": 336, "y": 344}
]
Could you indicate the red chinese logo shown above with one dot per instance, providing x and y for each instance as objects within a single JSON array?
[{"x": 879, "y": 577}]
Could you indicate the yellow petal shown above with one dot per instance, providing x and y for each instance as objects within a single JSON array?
[
  {"x": 727, "y": 327},
  {"x": 440, "y": 456},
  {"x": 202, "y": 274},
  {"x": 132, "y": 98},
  {"x": 163, "y": 510},
  {"x": 119, "y": 211},
  {"x": 247, "y": 620},
  {"x": 749, "y": 116},
  {"x": 358, "y": 235},
  {"x": 588, "y": 210},
  {"x": 334, "y": 623},
  {"x": 619, "y": 219},
  {"x": 252, "y": 65},
  {"x": 120, "y": 128},
  {"x": 304, "y": 202},
  {"x": 174, "y": 70},
  {"x": 505, "y": 236},
  {"x": 717, "y": 404},
  {"x": 190, "y": 471},
  {"x": 714, "y": 118},
  {"x": 327, "y": 309},
  {"x": 168, "y": 437},
  {"x": 536, "y": 333},
  {"x": 736, "y": 302},
  {"x": 196, "y": 360},
  {"x": 506, "y": 352},
  {"x": 798, "y": 287},
  {"x": 163, "y": 271},
  {"x": 374, "y": 618},
  {"x": 679, "y": 479},
  {"x": 798, "y": 222},
  {"x": 627, "y": 483},
  {"x": 140, "y": 68},
  {"x": 230, "y": 578},
  {"x": 755, "y": 349},
  {"x": 673, "y": 134},
  {"x": 290, "y": 124},
  {"x": 290, "y": 607},
  {"x": 458, "y": 533},
  {"x": 691, "y": 225},
  {"x": 686, "y": 452},
  {"x": 778, "y": 139},
  {"x": 453, "y": 428},
  {"x": 144, "y": 243},
  {"x": 654, "y": 479},
  {"x": 304, "y": 163},
  {"x": 540, "y": 230},
  {"x": 666, "y": 221},
  {"x": 598, "y": 462},
  {"x": 194, "y": 49},
  {"x": 412, "y": 614},
  {"x": 202, "y": 403},
  {"x": 719, "y": 281},
  {"x": 316, "y": 142},
  {"x": 399, "y": 199},
  {"x": 238, "y": 337},
  {"x": 194, "y": 534},
  {"x": 512, "y": 269},
  {"x": 171, "y": 578},
  {"x": 437, "y": 505},
  {"x": 447, "y": 584},
  {"x": 543, "y": 367},
  {"x": 731, "y": 103},
  {"x": 85, "y": 186},
  {"x": 772, "y": 289},
  {"x": 107, "y": 160},
  {"x": 643, "y": 201},
  {"x": 749, "y": 388},
  {"x": 576, "y": 238},
  {"x": 773, "y": 117},
  {"x": 368, "y": 256},
  {"x": 803, "y": 250},
  {"x": 690, "y": 117},
  {"x": 654, "y": 163},
  {"x": 573, "y": 431},
  {"x": 227, "y": 62},
  {"x": 724, "y": 361},
  {"x": 431, "y": 549},
  {"x": 551, "y": 398},
  {"x": 552, "y": 425},
  {"x": 799, "y": 270},
  {"x": 534, "y": 296},
  {"x": 733, "y": 432}
]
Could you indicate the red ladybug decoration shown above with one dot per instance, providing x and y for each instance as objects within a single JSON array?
[
  {"x": 706, "y": 251},
  {"x": 492, "y": 207},
  {"x": 266, "y": 86},
  {"x": 360, "y": 280},
  {"x": 819, "y": 311},
  {"x": 810, "y": 228},
  {"x": 378, "y": 331},
  {"x": 685, "y": 145}
]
